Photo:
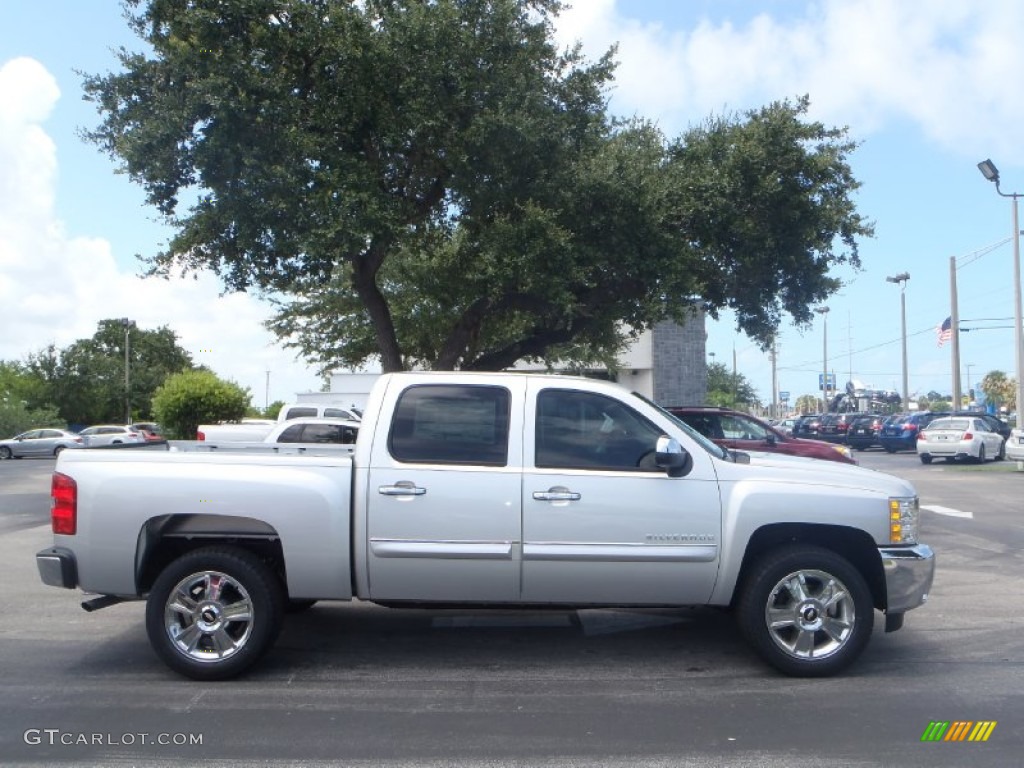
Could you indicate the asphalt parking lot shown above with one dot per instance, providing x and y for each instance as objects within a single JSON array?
[{"x": 357, "y": 684}]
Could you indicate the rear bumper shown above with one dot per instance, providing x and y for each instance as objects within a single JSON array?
[
  {"x": 57, "y": 567},
  {"x": 908, "y": 576}
]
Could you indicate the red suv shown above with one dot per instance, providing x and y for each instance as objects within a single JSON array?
[{"x": 742, "y": 432}]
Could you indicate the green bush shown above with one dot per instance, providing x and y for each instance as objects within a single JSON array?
[
  {"x": 15, "y": 418},
  {"x": 190, "y": 398}
]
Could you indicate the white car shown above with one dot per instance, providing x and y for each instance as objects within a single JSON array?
[
  {"x": 959, "y": 437},
  {"x": 314, "y": 430},
  {"x": 110, "y": 434},
  {"x": 1015, "y": 445}
]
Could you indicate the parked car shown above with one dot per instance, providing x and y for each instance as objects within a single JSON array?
[
  {"x": 743, "y": 432},
  {"x": 864, "y": 430},
  {"x": 899, "y": 433},
  {"x": 834, "y": 427},
  {"x": 994, "y": 422},
  {"x": 150, "y": 430},
  {"x": 960, "y": 437},
  {"x": 312, "y": 430},
  {"x": 1015, "y": 445},
  {"x": 321, "y": 410},
  {"x": 785, "y": 426},
  {"x": 807, "y": 426},
  {"x": 110, "y": 434},
  {"x": 39, "y": 442}
]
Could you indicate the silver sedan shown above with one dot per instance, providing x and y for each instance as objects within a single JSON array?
[
  {"x": 39, "y": 442},
  {"x": 959, "y": 437}
]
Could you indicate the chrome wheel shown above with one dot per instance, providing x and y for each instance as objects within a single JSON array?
[
  {"x": 213, "y": 612},
  {"x": 208, "y": 616},
  {"x": 810, "y": 614},
  {"x": 806, "y": 610}
]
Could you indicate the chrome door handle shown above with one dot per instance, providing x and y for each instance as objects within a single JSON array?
[
  {"x": 402, "y": 488},
  {"x": 556, "y": 494}
]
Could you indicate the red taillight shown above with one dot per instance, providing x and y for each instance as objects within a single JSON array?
[
  {"x": 967, "y": 436},
  {"x": 910, "y": 427},
  {"x": 64, "y": 504},
  {"x": 200, "y": 436}
]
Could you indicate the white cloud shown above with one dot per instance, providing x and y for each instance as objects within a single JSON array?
[
  {"x": 947, "y": 66},
  {"x": 56, "y": 287}
]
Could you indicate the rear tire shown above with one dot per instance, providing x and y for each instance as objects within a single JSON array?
[
  {"x": 1002, "y": 451},
  {"x": 926, "y": 459},
  {"x": 981, "y": 455},
  {"x": 214, "y": 612},
  {"x": 5, "y": 452},
  {"x": 806, "y": 611}
]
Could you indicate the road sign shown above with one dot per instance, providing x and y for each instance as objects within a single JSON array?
[
  {"x": 784, "y": 397},
  {"x": 831, "y": 380}
]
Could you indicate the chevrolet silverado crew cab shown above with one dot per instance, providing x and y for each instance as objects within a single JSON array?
[{"x": 489, "y": 490}]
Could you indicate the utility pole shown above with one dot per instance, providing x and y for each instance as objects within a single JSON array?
[{"x": 823, "y": 311}]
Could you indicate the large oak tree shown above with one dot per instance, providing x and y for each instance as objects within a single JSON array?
[{"x": 435, "y": 183}]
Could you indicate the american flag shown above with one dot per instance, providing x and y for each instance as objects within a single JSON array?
[{"x": 945, "y": 331}]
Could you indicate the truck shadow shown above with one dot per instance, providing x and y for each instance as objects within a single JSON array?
[{"x": 365, "y": 636}]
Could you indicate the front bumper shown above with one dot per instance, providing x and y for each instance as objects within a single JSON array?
[
  {"x": 908, "y": 576},
  {"x": 57, "y": 567}
]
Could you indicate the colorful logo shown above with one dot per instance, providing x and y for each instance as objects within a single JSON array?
[{"x": 958, "y": 730}]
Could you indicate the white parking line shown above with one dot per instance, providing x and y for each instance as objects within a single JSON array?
[{"x": 947, "y": 511}]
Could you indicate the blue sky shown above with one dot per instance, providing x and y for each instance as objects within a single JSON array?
[{"x": 926, "y": 88}]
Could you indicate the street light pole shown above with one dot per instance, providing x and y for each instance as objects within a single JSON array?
[
  {"x": 823, "y": 311},
  {"x": 127, "y": 375},
  {"x": 990, "y": 172},
  {"x": 901, "y": 279}
]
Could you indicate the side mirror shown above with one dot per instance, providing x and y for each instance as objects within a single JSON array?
[
  {"x": 770, "y": 440},
  {"x": 672, "y": 457}
]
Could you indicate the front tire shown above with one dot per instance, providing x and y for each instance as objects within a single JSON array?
[
  {"x": 214, "y": 612},
  {"x": 806, "y": 611}
]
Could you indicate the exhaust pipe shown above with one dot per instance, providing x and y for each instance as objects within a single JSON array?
[{"x": 103, "y": 601}]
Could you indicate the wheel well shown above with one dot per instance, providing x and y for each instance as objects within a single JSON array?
[
  {"x": 164, "y": 539},
  {"x": 852, "y": 544}
]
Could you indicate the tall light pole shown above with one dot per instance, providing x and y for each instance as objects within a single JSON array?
[
  {"x": 990, "y": 172},
  {"x": 823, "y": 311},
  {"x": 127, "y": 373},
  {"x": 901, "y": 279}
]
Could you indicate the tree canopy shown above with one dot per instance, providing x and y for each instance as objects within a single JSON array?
[
  {"x": 86, "y": 379},
  {"x": 436, "y": 184},
  {"x": 728, "y": 389}
]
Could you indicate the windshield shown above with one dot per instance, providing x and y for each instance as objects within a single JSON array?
[{"x": 705, "y": 443}]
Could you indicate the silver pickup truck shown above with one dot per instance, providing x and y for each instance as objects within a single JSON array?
[{"x": 490, "y": 490}]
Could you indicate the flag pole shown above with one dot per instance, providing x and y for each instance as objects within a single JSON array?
[{"x": 955, "y": 334}]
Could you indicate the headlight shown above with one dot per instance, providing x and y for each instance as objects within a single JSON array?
[
  {"x": 843, "y": 450},
  {"x": 903, "y": 516}
]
